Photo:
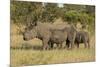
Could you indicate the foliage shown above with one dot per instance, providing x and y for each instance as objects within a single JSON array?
[
  {"x": 24, "y": 13},
  {"x": 74, "y": 16},
  {"x": 50, "y": 13}
]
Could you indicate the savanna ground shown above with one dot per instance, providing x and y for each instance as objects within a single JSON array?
[{"x": 30, "y": 53}]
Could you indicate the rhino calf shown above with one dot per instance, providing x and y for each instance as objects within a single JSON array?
[{"x": 82, "y": 37}]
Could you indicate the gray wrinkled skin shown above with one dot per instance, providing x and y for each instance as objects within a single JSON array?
[
  {"x": 29, "y": 34},
  {"x": 71, "y": 36},
  {"x": 40, "y": 31},
  {"x": 58, "y": 37},
  {"x": 82, "y": 37}
]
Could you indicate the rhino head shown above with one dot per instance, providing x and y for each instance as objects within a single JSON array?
[{"x": 29, "y": 34}]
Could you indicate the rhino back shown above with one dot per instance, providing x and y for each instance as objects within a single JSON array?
[{"x": 43, "y": 31}]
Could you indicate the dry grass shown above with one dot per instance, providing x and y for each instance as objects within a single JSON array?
[{"x": 33, "y": 57}]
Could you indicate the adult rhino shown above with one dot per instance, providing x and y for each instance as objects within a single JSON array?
[
  {"x": 43, "y": 31},
  {"x": 40, "y": 31}
]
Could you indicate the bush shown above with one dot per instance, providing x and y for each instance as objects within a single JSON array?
[
  {"x": 84, "y": 18},
  {"x": 71, "y": 16}
]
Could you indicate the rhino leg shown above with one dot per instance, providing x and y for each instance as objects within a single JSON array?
[
  {"x": 88, "y": 44},
  {"x": 67, "y": 44},
  {"x": 45, "y": 44},
  {"x": 85, "y": 44},
  {"x": 72, "y": 40},
  {"x": 77, "y": 45},
  {"x": 50, "y": 44},
  {"x": 60, "y": 46},
  {"x": 72, "y": 44}
]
